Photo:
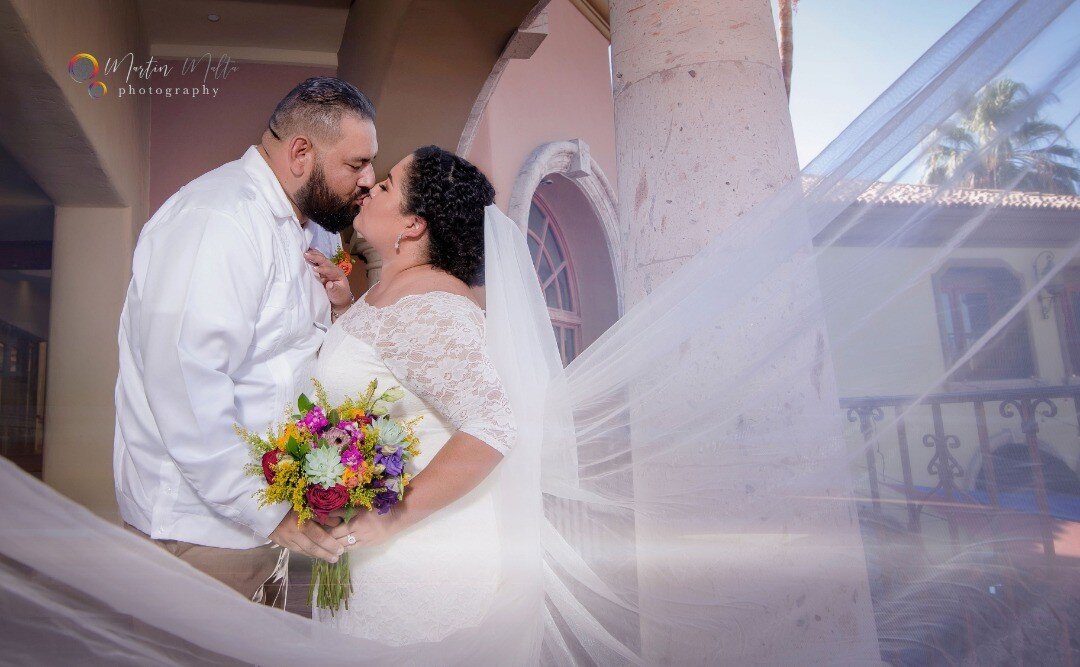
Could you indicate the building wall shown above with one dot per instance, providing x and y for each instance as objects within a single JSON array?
[
  {"x": 899, "y": 351},
  {"x": 191, "y": 136},
  {"x": 95, "y": 172},
  {"x": 562, "y": 92},
  {"x": 115, "y": 127},
  {"x": 909, "y": 324}
]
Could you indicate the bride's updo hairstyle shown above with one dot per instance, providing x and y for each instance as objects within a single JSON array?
[{"x": 450, "y": 194}]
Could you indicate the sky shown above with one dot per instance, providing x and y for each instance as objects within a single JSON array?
[{"x": 847, "y": 52}]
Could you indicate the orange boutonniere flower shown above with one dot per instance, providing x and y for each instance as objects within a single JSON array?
[{"x": 343, "y": 260}]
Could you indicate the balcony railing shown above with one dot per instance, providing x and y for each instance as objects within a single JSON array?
[
  {"x": 1024, "y": 404},
  {"x": 986, "y": 528}
]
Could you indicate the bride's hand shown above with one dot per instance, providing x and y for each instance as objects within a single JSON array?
[
  {"x": 367, "y": 529},
  {"x": 332, "y": 278}
]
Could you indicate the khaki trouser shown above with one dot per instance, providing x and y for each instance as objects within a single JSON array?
[{"x": 260, "y": 574}]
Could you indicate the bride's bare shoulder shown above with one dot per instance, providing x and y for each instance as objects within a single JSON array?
[
  {"x": 433, "y": 282},
  {"x": 453, "y": 285}
]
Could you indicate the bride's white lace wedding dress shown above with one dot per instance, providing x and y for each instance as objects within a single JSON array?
[{"x": 441, "y": 574}]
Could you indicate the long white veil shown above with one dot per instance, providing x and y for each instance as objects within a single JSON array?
[{"x": 847, "y": 431}]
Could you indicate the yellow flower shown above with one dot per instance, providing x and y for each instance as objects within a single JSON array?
[{"x": 349, "y": 479}]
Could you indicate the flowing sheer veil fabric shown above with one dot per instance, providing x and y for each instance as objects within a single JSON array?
[{"x": 845, "y": 432}]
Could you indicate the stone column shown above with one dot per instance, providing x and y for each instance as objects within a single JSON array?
[
  {"x": 373, "y": 262},
  {"x": 703, "y": 134},
  {"x": 92, "y": 250}
]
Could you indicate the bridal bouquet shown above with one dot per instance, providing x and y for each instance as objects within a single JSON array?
[{"x": 349, "y": 457}]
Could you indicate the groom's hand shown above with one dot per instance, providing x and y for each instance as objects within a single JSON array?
[
  {"x": 332, "y": 278},
  {"x": 310, "y": 539}
]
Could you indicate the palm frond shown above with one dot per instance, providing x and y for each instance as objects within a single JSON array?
[{"x": 969, "y": 151}]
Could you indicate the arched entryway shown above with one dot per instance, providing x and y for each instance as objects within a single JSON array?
[
  {"x": 551, "y": 259},
  {"x": 563, "y": 201}
]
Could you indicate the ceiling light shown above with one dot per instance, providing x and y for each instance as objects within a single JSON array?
[{"x": 213, "y": 18}]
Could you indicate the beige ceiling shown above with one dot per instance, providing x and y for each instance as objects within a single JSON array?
[
  {"x": 302, "y": 32},
  {"x": 305, "y": 32}
]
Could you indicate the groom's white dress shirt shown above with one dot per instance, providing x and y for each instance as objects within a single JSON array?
[{"x": 221, "y": 325}]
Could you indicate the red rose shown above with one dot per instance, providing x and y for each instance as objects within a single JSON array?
[
  {"x": 269, "y": 460},
  {"x": 366, "y": 419},
  {"x": 323, "y": 501}
]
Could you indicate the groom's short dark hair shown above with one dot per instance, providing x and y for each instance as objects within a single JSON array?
[{"x": 316, "y": 106}]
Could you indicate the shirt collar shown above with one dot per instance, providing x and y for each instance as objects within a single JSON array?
[{"x": 267, "y": 184}]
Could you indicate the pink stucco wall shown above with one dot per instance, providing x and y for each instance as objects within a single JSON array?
[
  {"x": 189, "y": 137},
  {"x": 562, "y": 92}
]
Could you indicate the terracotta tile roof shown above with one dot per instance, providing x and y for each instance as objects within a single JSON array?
[{"x": 907, "y": 194}]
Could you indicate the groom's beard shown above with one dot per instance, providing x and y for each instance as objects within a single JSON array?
[{"x": 318, "y": 203}]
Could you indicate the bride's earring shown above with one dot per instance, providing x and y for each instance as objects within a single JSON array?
[{"x": 397, "y": 244}]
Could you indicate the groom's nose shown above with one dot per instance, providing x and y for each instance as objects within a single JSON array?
[{"x": 367, "y": 177}]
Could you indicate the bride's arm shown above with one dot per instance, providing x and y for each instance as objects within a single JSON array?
[
  {"x": 458, "y": 468},
  {"x": 436, "y": 347}
]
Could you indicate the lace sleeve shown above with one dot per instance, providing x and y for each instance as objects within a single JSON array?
[{"x": 434, "y": 344}]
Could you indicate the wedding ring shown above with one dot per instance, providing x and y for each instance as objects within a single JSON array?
[{"x": 351, "y": 539}]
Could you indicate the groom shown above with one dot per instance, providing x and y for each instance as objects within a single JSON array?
[{"x": 230, "y": 297}]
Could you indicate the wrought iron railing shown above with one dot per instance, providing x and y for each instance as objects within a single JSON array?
[
  {"x": 1025, "y": 404},
  {"x": 897, "y": 421}
]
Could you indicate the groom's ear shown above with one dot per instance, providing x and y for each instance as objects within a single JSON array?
[{"x": 301, "y": 155}]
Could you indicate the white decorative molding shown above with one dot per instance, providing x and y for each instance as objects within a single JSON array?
[
  {"x": 572, "y": 160},
  {"x": 358, "y": 245}
]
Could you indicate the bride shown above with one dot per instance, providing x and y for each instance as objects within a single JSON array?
[{"x": 432, "y": 561}]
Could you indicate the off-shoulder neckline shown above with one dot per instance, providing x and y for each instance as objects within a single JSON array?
[{"x": 363, "y": 299}]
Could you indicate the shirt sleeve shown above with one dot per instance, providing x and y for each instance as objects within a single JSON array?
[
  {"x": 201, "y": 298},
  {"x": 435, "y": 346}
]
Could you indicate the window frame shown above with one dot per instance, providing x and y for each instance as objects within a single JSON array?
[
  {"x": 562, "y": 320},
  {"x": 1022, "y": 321}
]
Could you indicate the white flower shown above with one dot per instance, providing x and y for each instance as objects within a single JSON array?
[{"x": 392, "y": 394}]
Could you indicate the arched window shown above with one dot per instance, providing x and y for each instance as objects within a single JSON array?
[{"x": 552, "y": 264}]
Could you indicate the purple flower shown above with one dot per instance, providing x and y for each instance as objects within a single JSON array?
[
  {"x": 352, "y": 457},
  {"x": 393, "y": 463},
  {"x": 315, "y": 421},
  {"x": 384, "y": 501}
]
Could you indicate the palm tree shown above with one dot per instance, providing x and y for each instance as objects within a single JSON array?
[
  {"x": 1035, "y": 156},
  {"x": 786, "y": 7}
]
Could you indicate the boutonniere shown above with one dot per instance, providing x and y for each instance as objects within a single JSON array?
[{"x": 343, "y": 260}]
